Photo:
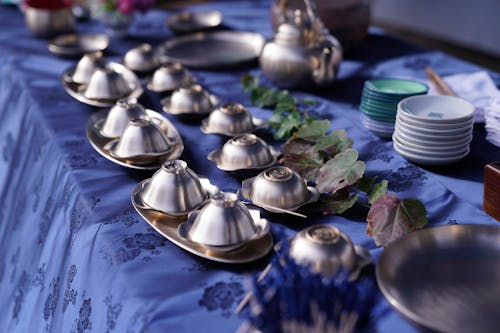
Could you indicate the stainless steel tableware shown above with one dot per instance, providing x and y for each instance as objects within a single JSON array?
[
  {"x": 170, "y": 76},
  {"x": 278, "y": 187},
  {"x": 141, "y": 58},
  {"x": 120, "y": 115},
  {"x": 445, "y": 278},
  {"x": 190, "y": 100},
  {"x": 49, "y": 22},
  {"x": 77, "y": 90},
  {"x": 327, "y": 250},
  {"x": 106, "y": 84},
  {"x": 244, "y": 152},
  {"x": 142, "y": 139},
  {"x": 231, "y": 119},
  {"x": 72, "y": 45},
  {"x": 87, "y": 65},
  {"x": 174, "y": 189},
  {"x": 213, "y": 49},
  {"x": 102, "y": 143},
  {"x": 224, "y": 223},
  {"x": 302, "y": 53},
  {"x": 184, "y": 22},
  {"x": 167, "y": 226}
]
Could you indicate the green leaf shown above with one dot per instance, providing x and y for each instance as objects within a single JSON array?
[
  {"x": 378, "y": 190},
  {"x": 334, "y": 143},
  {"x": 332, "y": 204},
  {"x": 341, "y": 171},
  {"x": 413, "y": 213},
  {"x": 249, "y": 82},
  {"x": 313, "y": 130},
  {"x": 390, "y": 218},
  {"x": 307, "y": 101},
  {"x": 300, "y": 156},
  {"x": 365, "y": 183}
]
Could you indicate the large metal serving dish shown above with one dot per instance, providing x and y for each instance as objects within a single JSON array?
[
  {"x": 212, "y": 49},
  {"x": 446, "y": 278}
]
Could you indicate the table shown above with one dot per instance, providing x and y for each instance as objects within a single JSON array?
[{"x": 75, "y": 255}]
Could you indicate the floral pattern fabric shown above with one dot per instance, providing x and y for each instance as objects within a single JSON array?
[{"x": 75, "y": 255}]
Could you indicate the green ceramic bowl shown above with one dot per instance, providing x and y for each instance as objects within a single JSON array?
[{"x": 396, "y": 87}]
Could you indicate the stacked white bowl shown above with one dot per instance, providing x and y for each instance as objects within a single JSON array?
[{"x": 433, "y": 130}]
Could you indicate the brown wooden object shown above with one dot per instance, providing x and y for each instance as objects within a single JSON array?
[{"x": 491, "y": 197}]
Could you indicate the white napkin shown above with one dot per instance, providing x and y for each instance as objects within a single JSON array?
[
  {"x": 477, "y": 88},
  {"x": 492, "y": 121}
]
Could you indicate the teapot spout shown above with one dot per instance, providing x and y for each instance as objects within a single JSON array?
[{"x": 325, "y": 74}]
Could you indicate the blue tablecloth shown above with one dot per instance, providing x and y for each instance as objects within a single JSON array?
[{"x": 75, "y": 257}]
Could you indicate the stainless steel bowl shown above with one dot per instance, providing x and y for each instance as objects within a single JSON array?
[
  {"x": 185, "y": 21},
  {"x": 141, "y": 139},
  {"x": 223, "y": 224},
  {"x": 106, "y": 84},
  {"x": 141, "y": 58},
  {"x": 169, "y": 77},
  {"x": 87, "y": 65},
  {"x": 327, "y": 250},
  {"x": 120, "y": 115},
  {"x": 49, "y": 22},
  {"x": 174, "y": 189},
  {"x": 230, "y": 119},
  {"x": 189, "y": 100},
  {"x": 278, "y": 187},
  {"x": 244, "y": 152}
]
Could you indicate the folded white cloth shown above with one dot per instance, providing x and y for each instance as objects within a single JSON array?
[
  {"x": 492, "y": 121},
  {"x": 477, "y": 88}
]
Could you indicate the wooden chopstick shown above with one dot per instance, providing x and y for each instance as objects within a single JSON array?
[{"x": 439, "y": 83}]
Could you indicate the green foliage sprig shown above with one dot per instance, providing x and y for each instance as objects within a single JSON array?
[{"x": 325, "y": 158}]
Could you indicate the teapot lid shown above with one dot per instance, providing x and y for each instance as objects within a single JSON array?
[{"x": 289, "y": 34}]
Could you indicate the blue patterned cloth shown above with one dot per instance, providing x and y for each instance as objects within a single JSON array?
[{"x": 75, "y": 257}]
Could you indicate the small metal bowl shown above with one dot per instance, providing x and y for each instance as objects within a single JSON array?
[
  {"x": 327, "y": 250},
  {"x": 223, "y": 224},
  {"x": 142, "y": 139},
  {"x": 174, "y": 189},
  {"x": 141, "y": 59},
  {"x": 231, "y": 119},
  {"x": 120, "y": 115},
  {"x": 169, "y": 77},
  {"x": 49, "y": 22},
  {"x": 244, "y": 152},
  {"x": 87, "y": 65},
  {"x": 106, "y": 84},
  {"x": 185, "y": 21},
  {"x": 278, "y": 189},
  {"x": 190, "y": 100},
  {"x": 73, "y": 45}
]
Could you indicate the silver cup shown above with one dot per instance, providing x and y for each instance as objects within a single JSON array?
[
  {"x": 189, "y": 100},
  {"x": 224, "y": 223},
  {"x": 49, "y": 22},
  {"x": 120, "y": 115},
  {"x": 169, "y": 77},
  {"x": 106, "y": 84},
  {"x": 87, "y": 65},
  {"x": 141, "y": 58},
  {"x": 141, "y": 138},
  {"x": 327, "y": 250},
  {"x": 246, "y": 151},
  {"x": 230, "y": 119},
  {"x": 174, "y": 189}
]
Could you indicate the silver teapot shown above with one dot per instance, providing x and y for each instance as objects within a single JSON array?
[{"x": 302, "y": 52}]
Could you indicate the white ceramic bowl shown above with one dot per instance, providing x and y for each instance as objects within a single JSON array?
[
  {"x": 430, "y": 160},
  {"x": 431, "y": 148},
  {"x": 427, "y": 153},
  {"x": 436, "y": 108},
  {"x": 433, "y": 137},
  {"x": 432, "y": 126},
  {"x": 434, "y": 131},
  {"x": 431, "y": 142}
]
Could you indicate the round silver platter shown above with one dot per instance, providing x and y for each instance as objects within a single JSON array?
[
  {"x": 167, "y": 227},
  {"x": 445, "y": 278},
  {"x": 73, "y": 45},
  {"x": 75, "y": 89},
  {"x": 213, "y": 49},
  {"x": 98, "y": 141}
]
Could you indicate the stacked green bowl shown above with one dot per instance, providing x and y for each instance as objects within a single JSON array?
[{"x": 379, "y": 102}]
